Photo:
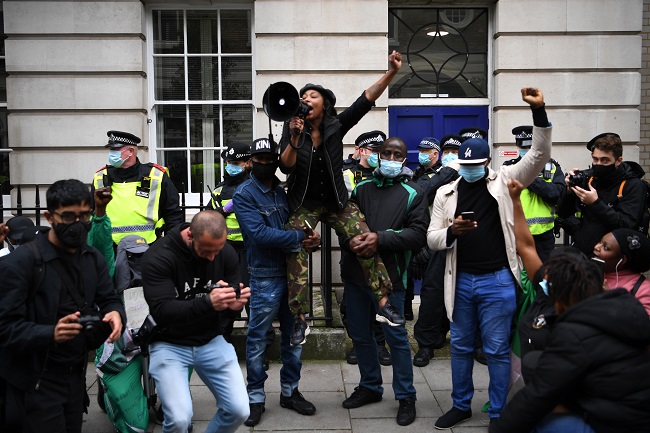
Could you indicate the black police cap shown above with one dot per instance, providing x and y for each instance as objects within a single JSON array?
[
  {"x": 523, "y": 135},
  {"x": 451, "y": 141},
  {"x": 236, "y": 151},
  {"x": 121, "y": 139},
  {"x": 473, "y": 132},
  {"x": 371, "y": 140}
]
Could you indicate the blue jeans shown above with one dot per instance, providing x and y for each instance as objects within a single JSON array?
[
  {"x": 487, "y": 300},
  {"x": 361, "y": 309},
  {"x": 216, "y": 364},
  {"x": 563, "y": 422},
  {"x": 269, "y": 299}
]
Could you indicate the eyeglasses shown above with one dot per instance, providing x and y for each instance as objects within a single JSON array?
[{"x": 71, "y": 217}]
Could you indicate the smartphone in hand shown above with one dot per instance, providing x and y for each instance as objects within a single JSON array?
[
  {"x": 468, "y": 215},
  {"x": 308, "y": 229}
]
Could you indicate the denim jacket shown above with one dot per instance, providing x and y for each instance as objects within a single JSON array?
[{"x": 262, "y": 213}]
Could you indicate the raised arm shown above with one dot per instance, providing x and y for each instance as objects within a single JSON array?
[
  {"x": 374, "y": 92},
  {"x": 525, "y": 242}
]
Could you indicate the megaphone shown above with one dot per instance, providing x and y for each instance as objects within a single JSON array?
[{"x": 281, "y": 102}]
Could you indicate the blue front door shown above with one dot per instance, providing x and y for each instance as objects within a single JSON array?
[{"x": 411, "y": 124}]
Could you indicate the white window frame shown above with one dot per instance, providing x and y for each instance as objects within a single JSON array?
[{"x": 192, "y": 198}]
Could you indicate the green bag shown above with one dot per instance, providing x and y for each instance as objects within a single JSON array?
[{"x": 126, "y": 404}]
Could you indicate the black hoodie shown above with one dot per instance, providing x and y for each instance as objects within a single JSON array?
[
  {"x": 610, "y": 211},
  {"x": 175, "y": 280},
  {"x": 596, "y": 364}
]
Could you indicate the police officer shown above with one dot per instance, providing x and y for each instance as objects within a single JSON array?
[
  {"x": 236, "y": 156},
  {"x": 367, "y": 148},
  {"x": 145, "y": 201},
  {"x": 541, "y": 196},
  {"x": 430, "y": 330}
]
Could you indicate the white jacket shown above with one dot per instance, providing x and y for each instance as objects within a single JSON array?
[{"x": 444, "y": 207}]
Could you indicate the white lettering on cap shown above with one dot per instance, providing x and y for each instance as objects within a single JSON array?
[
  {"x": 263, "y": 144},
  {"x": 468, "y": 153}
]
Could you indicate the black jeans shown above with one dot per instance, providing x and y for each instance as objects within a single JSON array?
[
  {"x": 58, "y": 404},
  {"x": 432, "y": 319}
]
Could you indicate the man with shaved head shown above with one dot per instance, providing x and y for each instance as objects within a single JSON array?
[{"x": 189, "y": 277}]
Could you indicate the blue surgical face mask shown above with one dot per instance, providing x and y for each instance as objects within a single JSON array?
[
  {"x": 115, "y": 158},
  {"x": 373, "y": 160},
  {"x": 544, "y": 285},
  {"x": 424, "y": 159},
  {"x": 522, "y": 152},
  {"x": 472, "y": 173},
  {"x": 233, "y": 169},
  {"x": 448, "y": 158},
  {"x": 390, "y": 169}
]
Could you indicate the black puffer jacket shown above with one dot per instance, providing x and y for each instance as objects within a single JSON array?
[
  {"x": 609, "y": 212},
  {"x": 596, "y": 364},
  {"x": 333, "y": 129}
]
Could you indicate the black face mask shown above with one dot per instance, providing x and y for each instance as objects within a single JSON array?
[
  {"x": 265, "y": 171},
  {"x": 603, "y": 171},
  {"x": 72, "y": 235}
]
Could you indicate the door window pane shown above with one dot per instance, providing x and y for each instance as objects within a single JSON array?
[
  {"x": 238, "y": 123},
  {"x": 235, "y": 31},
  {"x": 445, "y": 52},
  {"x": 237, "y": 78},
  {"x": 204, "y": 126}
]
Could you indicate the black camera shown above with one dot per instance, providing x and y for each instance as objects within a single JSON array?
[
  {"x": 581, "y": 178},
  {"x": 221, "y": 286},
  {"x": 90, "y": 323},
  {"x": 142, "y": 336}
]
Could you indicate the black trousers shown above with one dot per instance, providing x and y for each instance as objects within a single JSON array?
[
  {"x": 432, "y": 320},
  {"x": 544, "y": 244},
  {"x": 57, "y": 406}
]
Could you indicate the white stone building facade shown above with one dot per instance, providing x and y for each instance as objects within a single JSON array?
[{"x": 75, "y": 69}]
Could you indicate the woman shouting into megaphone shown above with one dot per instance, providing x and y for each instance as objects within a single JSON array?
[{"x": 312, "y": 156}]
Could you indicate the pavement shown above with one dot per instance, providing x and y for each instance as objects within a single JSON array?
[{"x": 327, "y": 384}]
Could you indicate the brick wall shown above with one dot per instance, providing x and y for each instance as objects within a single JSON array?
[{"x": 644, "y": 108}]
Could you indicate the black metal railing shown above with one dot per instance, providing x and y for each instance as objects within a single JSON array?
[{"x": 36, "y": 212}]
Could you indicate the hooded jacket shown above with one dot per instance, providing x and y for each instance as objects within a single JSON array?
[
  {"x": 609, "y": 211},
  {"x": 399, "y": 231},
  {"x": 176, "y": 283},
  {"x": 596, "y": 364},
  {"x": 333, "y": 129}
]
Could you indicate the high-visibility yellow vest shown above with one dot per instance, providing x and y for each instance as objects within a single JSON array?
[
  {"x": 134, "y": 210},
  {"x": 540, "y": 216},
  {"x": 232, "y": 224}
]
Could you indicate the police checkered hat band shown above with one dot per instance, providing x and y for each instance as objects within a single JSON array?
[
  {"x": 370, "y": 139},
  {"x": 451, "y": 141},
  {"x": 523, "y": 135},
  {"x": 236, "y": 151},
  {"x": 473, "y": 132},
  {"x": 429, "y": 143},
  {"x": 121, "y": 139}
]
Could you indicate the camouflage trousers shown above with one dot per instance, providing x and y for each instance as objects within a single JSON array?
[{"x": 347, "y": 222}]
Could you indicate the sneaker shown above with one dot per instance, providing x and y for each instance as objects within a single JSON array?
[
  {"x": 298, "y": 403},
  {"x": 351, "y": 357},
  {"x": 390, "y": 315},
  {"x": 256, "y": 414},
  {"x": 453, "y": 417},
  {"x": 300, "y": 332},
  {"x": 384, "y": 356},
  {"x": 406, "y": 411},
  {"x": 361, "y": 397},
  {"x": 422, "y": 357}
]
